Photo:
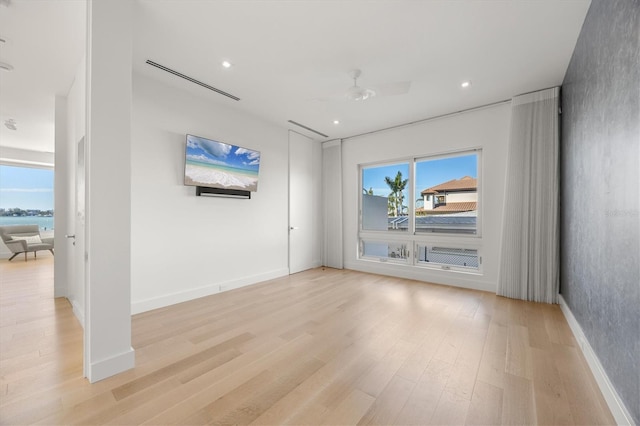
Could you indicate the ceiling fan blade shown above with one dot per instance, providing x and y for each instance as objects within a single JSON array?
[
  {"x": 392, "y": 89},
  {"x": 389, "y": 89}
]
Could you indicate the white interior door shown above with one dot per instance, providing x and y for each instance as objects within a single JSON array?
[
  {"x": 77, "y": 252},
  {"x": 303, "y": 205}
]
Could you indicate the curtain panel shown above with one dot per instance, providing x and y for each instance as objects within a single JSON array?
[
  {"x": 332, "y": 203},
  {"x": 529, "y": 267}
]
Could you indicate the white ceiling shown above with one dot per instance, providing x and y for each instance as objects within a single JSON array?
[
  {"x": 287, "y": 54},
  {"x": 45, "y": 45}
]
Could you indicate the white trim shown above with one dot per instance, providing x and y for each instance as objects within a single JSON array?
[
  {"x": 77, "y": 312},
  {"x": 25, "y": 163},
  {"x": 183, "y": 296},
  {"x": 111, "y": 366},
  {"x": 470, "y": 280},
  {"x": 26, "y": 158},
  {"x": 329, "y": 144},
  {"x": 537, "y": 96},
  {"x": 617, "y": 407}
]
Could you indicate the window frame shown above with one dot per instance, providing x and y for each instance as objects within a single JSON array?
[{"x": 413, "y": 239}]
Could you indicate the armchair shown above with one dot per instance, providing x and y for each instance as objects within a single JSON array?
[{"x": 24, "y": 239}]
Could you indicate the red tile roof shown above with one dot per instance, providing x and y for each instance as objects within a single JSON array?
[
  {"x": 465, "y": 206},
  {"x": 466, "y": 183}
]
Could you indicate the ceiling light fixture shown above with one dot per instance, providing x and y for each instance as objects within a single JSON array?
[
  {"x": 11, "y": 124},
  {"x": 357, "y": 93},
  {"x": 336, "y": 122},
  {"x": 6, "y": 67},
  {"x": 226, "y": 64},
  {"x": 465, "y": 84}
]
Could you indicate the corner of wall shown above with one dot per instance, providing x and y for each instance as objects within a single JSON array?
[{"x": 619, "y": 411}]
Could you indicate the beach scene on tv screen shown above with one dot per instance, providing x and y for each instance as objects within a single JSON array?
[{"x": 219, "y": 165}]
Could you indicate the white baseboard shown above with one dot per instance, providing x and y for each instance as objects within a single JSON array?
[
  {"x": 111, "y": 366},
  {"x": 79, "y": 313},
  {"x": 450, "y": 278},
  {"x": 184, "y": 296},
  {"x": 617, "y": 407}
]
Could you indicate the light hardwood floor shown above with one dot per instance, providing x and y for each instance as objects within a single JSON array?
[{"x": 319, "y": 347}]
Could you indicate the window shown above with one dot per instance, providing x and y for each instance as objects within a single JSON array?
[
  {"x": 385, "y": 251},
  {"x": 385, "y": 193},
  {"x": 447, "y": 257},
  {"x": 439, "y": 228},
  {"x": 26, "y": 196},
  {"x": 448, "y": 188}
]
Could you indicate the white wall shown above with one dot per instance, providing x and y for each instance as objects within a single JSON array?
[
  {"x": 183, "y": 246},
  {"x": 485, "y": 128},
  {"x": 61, "y": 199},
  {"x": 461, "y": 197},
  {"x": 66, "y": 222},
  {"x": 107, "y": 325}
]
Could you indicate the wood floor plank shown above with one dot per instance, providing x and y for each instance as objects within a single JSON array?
[
  {"x": 389, "y": 403},
  {"x": 176, "y": 368},
  {"x": 486, "y": 405},
  {"x": 494, "y": 356},
  {"x": 552, "y": 407},
  {"x": 518, "y": 404},
  {"x": 585, "y": 401},
  {"x": 281, "y": 385},
  {"x": 350, "y": 410},
  {"x": 422, "y": 402},
  {"x": 320, "y": 347},
  {"x": 319, "y": 390},
  {"x": 518, "y": 361},
  {"x": 376, "y": 380}
]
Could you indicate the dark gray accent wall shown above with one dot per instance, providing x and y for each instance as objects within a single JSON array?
[{"x": 600, "y": 187}]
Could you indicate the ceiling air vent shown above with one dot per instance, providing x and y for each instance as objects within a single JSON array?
[{"x": 193, "y": 80}]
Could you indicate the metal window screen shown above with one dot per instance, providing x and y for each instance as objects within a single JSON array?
[
  {"x": 385, "y": 250},
  {"x": 458, "y": 257}
]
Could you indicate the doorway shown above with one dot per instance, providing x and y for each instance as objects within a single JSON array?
[{"x": 304, "y": 203}]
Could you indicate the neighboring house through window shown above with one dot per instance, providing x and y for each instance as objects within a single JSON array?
[{"x": 395, "y": 230}]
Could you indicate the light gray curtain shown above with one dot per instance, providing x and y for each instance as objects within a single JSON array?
[
  {"x": 529, "y": 267},
  {"x": 332, "y": 202}
]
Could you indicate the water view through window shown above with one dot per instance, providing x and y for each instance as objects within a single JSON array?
[{"x": 26, "y": 196}]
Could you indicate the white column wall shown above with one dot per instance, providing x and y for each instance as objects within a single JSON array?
[
  {"x": 108, "y": 184},
  {"x": 332, "y": 204},
  {"x": 61, "y": 199}
]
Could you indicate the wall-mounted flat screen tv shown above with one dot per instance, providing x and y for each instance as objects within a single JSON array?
[{"x": 220, "y": 165}]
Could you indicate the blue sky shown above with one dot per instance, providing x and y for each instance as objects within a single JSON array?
[
  {"x": 428, "y": 173},
  {"x": 213, "y": 152},
  {"x": 26, "y": 188}
]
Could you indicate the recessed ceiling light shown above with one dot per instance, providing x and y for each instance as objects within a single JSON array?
[
  {"x": 336, "y": 121},
  {"x": 227, "y": 64},
  {"x": 465, "y": 84},
  {"x": 11, "y": 124},
  {"x": 6, "y": 67}
]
